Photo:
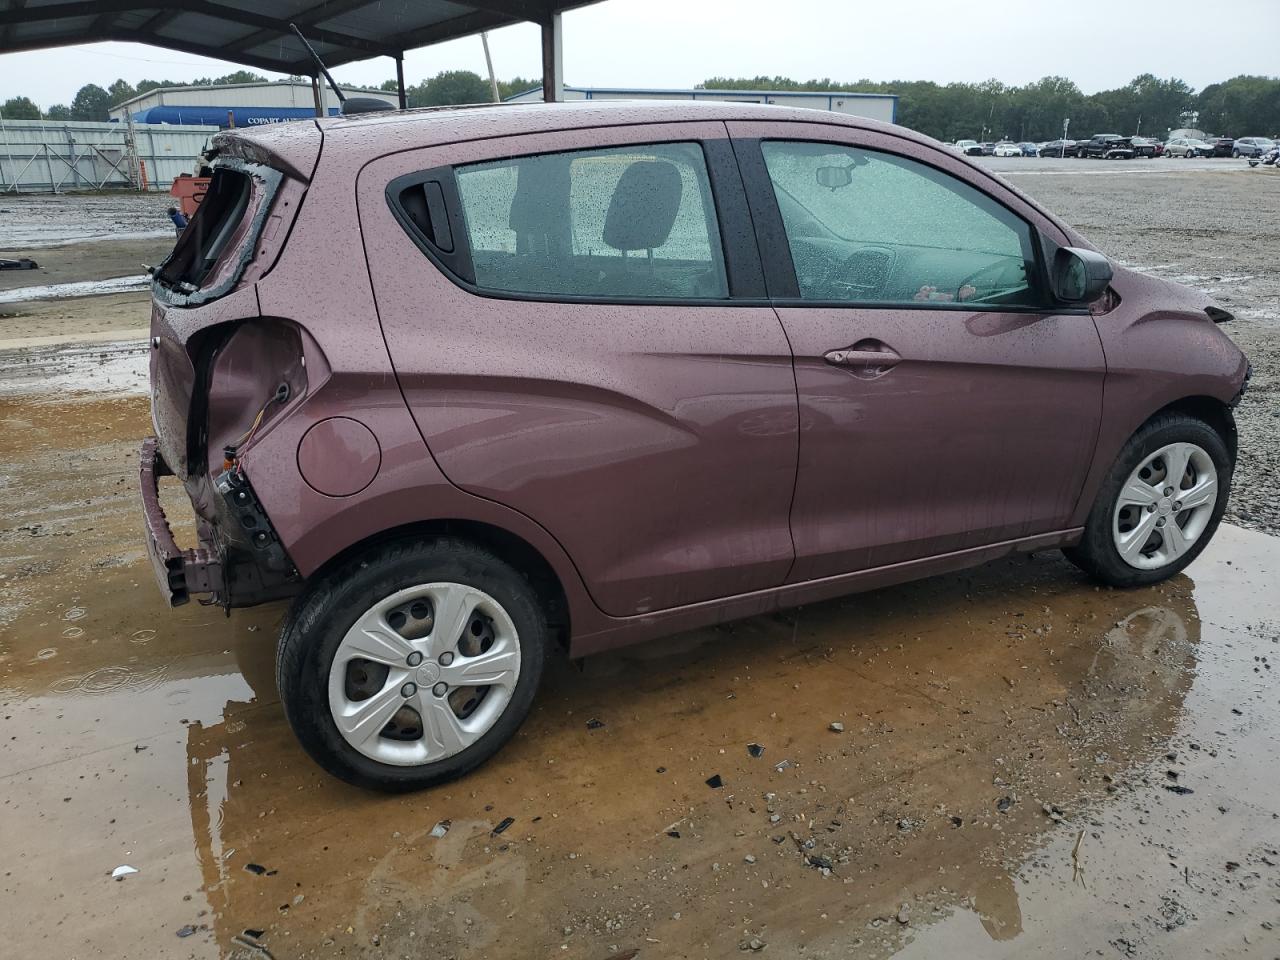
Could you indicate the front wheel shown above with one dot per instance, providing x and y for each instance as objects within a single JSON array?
[
  {"x": 411, "y": 664},
  {"x": 1160, "y": 504}
]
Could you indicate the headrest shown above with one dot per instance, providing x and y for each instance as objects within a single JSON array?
[{"x": 644, "y": 206}]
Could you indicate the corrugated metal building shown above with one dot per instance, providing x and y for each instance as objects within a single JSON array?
[
  {"x": 248, "y": 103},
  {"x": 47, "y": 155},
  {"x": 873, "y": 106}
]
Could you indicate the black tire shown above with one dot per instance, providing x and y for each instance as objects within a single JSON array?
[
  {"x": 1096, "y": 554},
  {"x": 321, "y": 616}
]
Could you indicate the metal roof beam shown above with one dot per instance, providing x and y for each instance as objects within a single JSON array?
[
  {"x": 80, "y": 8},
  {"x": 322, "y": 11},
  {"x": 6, "y": 31}
]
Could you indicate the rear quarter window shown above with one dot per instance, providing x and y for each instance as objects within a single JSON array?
[{"x": 213, "y": 250}]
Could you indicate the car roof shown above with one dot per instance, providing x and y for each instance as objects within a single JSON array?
[{"x": 375, "y": 134}]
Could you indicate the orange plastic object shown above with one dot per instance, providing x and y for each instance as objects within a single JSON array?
[{"x": 189, "y": 191}]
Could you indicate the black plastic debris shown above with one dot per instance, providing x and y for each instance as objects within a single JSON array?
[
  {"x": 957, "y": 822},
  {"x": 259, "y": 869},
  {"x": 23, "y": 263},
  {"x": 254, "y": 934},
  {"x": 1004, "y": 803},
  {"x": 500, "y": 828},
  {"x": 1178, "y": 789},
  {"x": 819, "y": 861},
  {"x": 673, "y": 834},
  {"x": 661, "y": 770},
  {"x": 715, "y": 783},
  {"x": 186, "y": 931},
  {"x": 594, "y": 724},
  {"x": 755, "y": 749}
]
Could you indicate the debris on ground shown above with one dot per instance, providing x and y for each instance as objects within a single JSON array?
[
  {"x": 715, "y": 782},
  {"x": 501, "y": 827},
  {"x": 836, "y": 726},
  {"x": 187, "y": 930},
  {"x": 440, "y": 829},
  {"x": 594, "y": 724},
  {"x": 755, "y": 749},
  {"x": 259, "y": 870},
  {"x": 122, "y": 871}
]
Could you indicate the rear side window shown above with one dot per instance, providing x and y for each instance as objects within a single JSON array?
[
  {"x": 209, "y": 234},
  {"x": 867, "y": 226},
  {"x": 625, "y": 222}
]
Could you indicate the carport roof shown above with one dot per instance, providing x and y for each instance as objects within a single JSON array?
[{"x": 256, "y": 32}]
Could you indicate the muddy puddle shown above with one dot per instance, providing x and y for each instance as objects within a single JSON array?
[
  {"x": 79, "y": 288},
  {"x": 114, "y": 366},
  {"x": 1027, "y": 765}
]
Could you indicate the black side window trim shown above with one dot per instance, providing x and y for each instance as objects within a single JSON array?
[
  {"x": 775, "y": 250},
  {"x": 742, "y": 261},
  {"x": 456, "y": 263}
]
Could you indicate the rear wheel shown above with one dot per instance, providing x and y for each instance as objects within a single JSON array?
[
  {"x": 1160, "y": 504},
  {"x": 412, "y": 664}
]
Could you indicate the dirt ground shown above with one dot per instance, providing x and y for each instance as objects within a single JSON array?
[{"x": 1028, "y": 766}]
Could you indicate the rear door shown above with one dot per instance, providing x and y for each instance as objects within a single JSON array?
[
  {"x": 943, "y": 406},
  {"x": 579, "y": 326}
]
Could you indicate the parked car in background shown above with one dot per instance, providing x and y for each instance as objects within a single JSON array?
[
  {"x": 1252, "y": 146},
  {"x": 1105, "y": 146},
  {"x": 1146, "y": 147},
  {"x": 964, "y": 145},
  {"x": 1187, "y": 147},
  {"x": 1058, "y": 148},
  {"x": 1222, "y": 146},
  {"x": 1006, "y": 148},
  {"x": 386, "y": 367},
  {"x": 1029, "y": 149}
]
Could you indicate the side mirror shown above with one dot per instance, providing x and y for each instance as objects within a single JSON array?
[{"x": 1078, "y": 275}]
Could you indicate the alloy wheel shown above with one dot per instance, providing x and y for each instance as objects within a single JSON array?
[
  {"x": 424, "y": 673},
  {"x": 1165, "y": 506}
]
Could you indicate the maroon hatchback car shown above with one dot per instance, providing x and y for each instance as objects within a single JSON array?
[{"x": 470, "y": 383}]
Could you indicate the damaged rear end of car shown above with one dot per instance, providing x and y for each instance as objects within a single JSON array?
[{"x": 221, "y": 373}]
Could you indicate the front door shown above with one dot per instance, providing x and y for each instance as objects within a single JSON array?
[
  {"x": 943, "y": 404},
  {"x": 567, "y": 316}
]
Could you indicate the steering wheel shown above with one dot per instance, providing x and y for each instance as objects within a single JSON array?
[
  {"x": 972, "y": 281},
  {"x": 858, "y": 263}
]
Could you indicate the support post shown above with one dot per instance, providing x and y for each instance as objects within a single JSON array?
[
  {"x": 488, "y": 62},
  {"x": 404, "y": 100},
  {"x": 552, "y": 59},
  {"x": 315, "y": 95}
]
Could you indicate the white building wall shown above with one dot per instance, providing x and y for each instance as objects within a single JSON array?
[
  {"x": 40, "y": 156},
  {"x": 872, "y": 106},
  {"x": 240, "y": 95}
]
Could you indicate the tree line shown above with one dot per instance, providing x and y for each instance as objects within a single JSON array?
[
  {"x": 1241, "y": 106},
  {"x": 93, "y": 102}
]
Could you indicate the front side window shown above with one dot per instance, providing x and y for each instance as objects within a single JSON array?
[
  {"x": 623, "y": 222},
  {"x": 872, "y": 227}
]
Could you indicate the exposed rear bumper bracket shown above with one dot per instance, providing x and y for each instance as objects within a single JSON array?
[{"x": 179, "y": 573}]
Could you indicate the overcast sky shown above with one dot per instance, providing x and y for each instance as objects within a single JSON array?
[{"x": 678, "y": 43}]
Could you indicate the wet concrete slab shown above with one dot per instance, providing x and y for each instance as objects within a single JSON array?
[{"x": 1029, "y": 766}]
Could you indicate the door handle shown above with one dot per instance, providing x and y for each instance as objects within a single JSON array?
[{"x": 881, "y": 359}]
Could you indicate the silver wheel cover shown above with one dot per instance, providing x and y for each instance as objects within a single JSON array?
[
  {"x": 1165, "y": 506},
  {"x": 455, "y": 667}
]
